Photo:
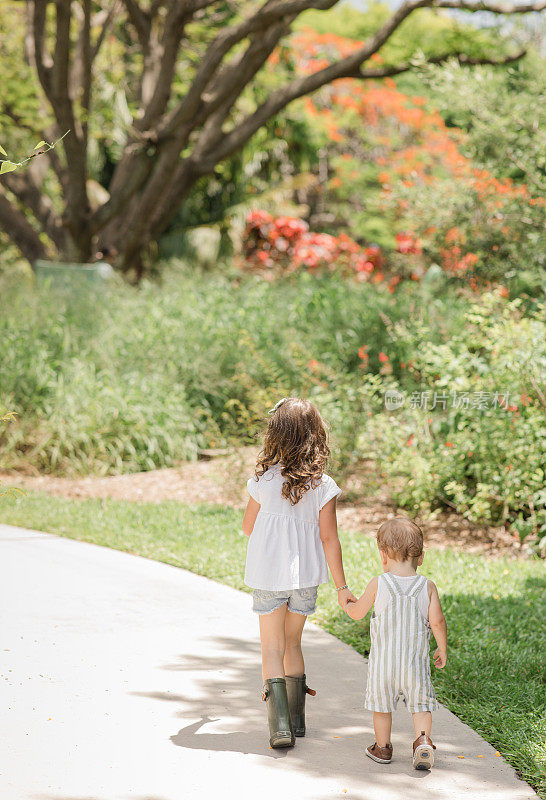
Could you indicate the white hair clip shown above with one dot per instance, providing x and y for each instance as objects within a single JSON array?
[{"x": 276, "y": 406}]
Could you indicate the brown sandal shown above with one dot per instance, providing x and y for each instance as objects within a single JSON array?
[
  {"x": 423, "y": 752},
  {"x": 383, "y": 755}
]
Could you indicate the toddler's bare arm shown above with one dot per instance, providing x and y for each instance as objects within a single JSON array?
[
  {"x": 439, "y": 627},
  {"x": 359, "y": 609}
]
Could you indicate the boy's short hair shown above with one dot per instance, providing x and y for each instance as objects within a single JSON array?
[{"x": 400, "y": 538}]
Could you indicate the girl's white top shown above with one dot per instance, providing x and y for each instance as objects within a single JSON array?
[{"x": 285, "y": 550}]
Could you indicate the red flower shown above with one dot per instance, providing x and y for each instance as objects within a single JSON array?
[
  {"x": 449, "y": 444},
  {"x": 383, "y": 358},
  {"x": 393, "y": 283},
  {"x": 259, "y": 218},
  {"x": 363, "y": 265},
  {"x": 408, "y": 243}
]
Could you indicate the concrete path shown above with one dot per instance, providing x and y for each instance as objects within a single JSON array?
[{"x": 126, "y": 678}]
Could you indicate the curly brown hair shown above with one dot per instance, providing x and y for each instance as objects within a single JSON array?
[{"x": 297, "y": 440}]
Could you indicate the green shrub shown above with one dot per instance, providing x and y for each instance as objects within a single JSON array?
[
  {"x": 136, "y": 379},
  {"x": 480, "y": 447}
]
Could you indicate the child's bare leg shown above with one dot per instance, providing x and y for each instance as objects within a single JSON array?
[
  {"x": 422, "y": 721},
  {"x": 293, "y": 657},
  {"x": 382, "y": 724},
  {"x": 272, "y": 638}
]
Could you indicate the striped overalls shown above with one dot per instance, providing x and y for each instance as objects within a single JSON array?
[{"x": 399, "y": 663}]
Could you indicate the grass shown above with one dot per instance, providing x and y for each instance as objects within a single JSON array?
[{"x": 495, "y": 680}]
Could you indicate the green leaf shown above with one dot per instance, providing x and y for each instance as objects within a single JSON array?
[
  {"x": 7, "y": 166},
  {"x": 40, "y": 144},
  {"x": 2, "y": 151}
]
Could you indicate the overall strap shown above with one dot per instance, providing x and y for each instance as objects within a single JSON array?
[
  {"x": 417, "y": 587},
  {"x": 391, "y": 586}
]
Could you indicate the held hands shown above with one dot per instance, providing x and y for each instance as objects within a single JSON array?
[
  {"x": 440, "y": 658},
  {"x": 344, "y": 597}
]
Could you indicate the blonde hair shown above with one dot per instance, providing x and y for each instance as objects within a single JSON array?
[
  {"x": 400, "y": 538},
  {"x": 297, "y": 439}
]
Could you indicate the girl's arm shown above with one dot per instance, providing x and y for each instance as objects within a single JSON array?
[
  {"x": 332, "y": 549},
  {"x": 439, "y": 626},
  {"x": 251, "y": 512},
  {"x": 360, "y": 608}
]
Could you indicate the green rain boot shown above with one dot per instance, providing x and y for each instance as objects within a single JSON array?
[
  {"x": 281, "y": 733},
  {"x": 297, "y": 689}
]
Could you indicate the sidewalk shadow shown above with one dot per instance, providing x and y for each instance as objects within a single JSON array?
[
  {"x": 228, "y": 699},
  {"x": 235, "y": 741},
  {"x": 223, "y": 711}
]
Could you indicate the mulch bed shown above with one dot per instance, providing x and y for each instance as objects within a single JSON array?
[{"x": 222, "y": 481}]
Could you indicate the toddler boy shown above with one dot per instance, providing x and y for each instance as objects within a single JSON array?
[{"x": 406, "y": 609}]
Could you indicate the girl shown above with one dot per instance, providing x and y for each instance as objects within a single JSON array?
[{"x": 291, "y": 523}]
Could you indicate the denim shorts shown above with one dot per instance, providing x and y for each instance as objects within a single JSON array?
[{"x": 298, "y": 601}]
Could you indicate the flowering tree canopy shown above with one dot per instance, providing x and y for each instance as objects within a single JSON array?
[{"x": 187, "y": 65}]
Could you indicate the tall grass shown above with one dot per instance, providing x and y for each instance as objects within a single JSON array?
[
  {"x": 135, "y": 379},
  {"x": 131, "y": 379}
]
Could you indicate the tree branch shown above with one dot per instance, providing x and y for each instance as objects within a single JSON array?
[
  {"x": 106, "y": 25},
  {"x": 19, "y": 229},
  {"x": 28, "y": 192},
  {"x": 134, "y": 166},
  {"x": 49, "y": 134},
  {"x": 204, "y": 165},
  {"x": 235, "y": 77},
  {"x": 162, "y": 75},
  {"x": 231, "y": 81},
  {"x": 344, "y": 68},
  {"x": 268, "y": 14},
  {"x": 79, "y": 84},
  {"x": 495, "y": 8},
  {"x": 86, "y": 82},
  {"x": 462, "y": 58},
  {"x": 38, "y": 9},
  {"x": 140, "y": 20}
]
